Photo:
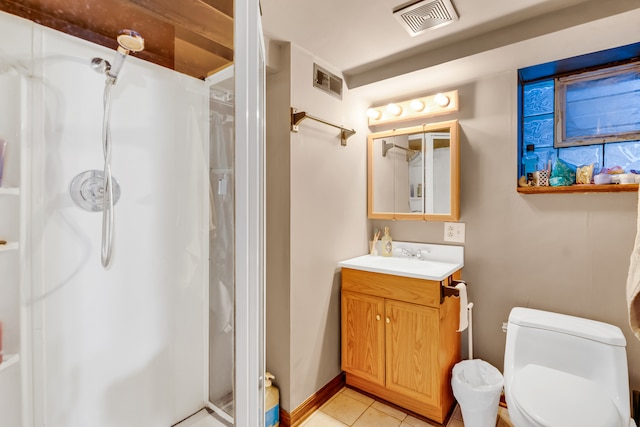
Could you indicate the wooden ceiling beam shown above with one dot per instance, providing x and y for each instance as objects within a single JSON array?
[
  {"x": 224, "y": 6},
  {"x": 204, "y": 43},
  {"x": 194, "y": 15}
]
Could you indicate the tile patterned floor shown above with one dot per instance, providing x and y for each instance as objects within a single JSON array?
[{"x": 351, "y": 408}]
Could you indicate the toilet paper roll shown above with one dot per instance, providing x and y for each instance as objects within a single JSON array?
[{"x": 464, "y": 318}]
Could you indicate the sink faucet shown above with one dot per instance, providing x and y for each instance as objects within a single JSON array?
[{"x": 410, "y": 254}]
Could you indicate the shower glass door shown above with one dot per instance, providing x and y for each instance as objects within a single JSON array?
[
  {"x": 236, "y": 265},
  {"x": 222, "y": 243}
]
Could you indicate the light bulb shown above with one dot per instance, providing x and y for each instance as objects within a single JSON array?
[
  {"x": 417, "y": 105},
  {"x": 394, "y": 109},
  {"x": 374, "y": 113},
  {"x": 441, "y": 99}
]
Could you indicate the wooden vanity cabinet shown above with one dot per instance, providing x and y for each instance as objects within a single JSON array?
[{"x": 399, "y": 342}]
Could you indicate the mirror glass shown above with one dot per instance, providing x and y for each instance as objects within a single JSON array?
[{"x": 413, "y": 173}]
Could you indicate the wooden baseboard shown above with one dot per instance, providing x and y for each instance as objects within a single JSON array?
[
  {"x": 315, "y": 401},
  {"x": 285, "y": 419}
]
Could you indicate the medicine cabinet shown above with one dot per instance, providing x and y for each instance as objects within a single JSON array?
[{"x": 414, "y": 173}]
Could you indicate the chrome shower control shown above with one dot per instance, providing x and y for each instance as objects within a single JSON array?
[{"x": 87, "y": 190}]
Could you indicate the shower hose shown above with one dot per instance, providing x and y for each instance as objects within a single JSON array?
[{"x": 107, "y": 183}]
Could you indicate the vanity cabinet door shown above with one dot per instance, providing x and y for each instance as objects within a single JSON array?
[
  {"x": 412, "y": 350},
  {"x": 363, "y": 336}
]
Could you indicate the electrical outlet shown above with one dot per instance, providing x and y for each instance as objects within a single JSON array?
[{"x": 454, "y": 232}]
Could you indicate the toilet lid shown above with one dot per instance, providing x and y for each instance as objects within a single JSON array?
[{"x": 554, "y": 398}]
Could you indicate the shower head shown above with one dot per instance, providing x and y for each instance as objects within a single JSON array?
[{"x": 128, "y": 41}]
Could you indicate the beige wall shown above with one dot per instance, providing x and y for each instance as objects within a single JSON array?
[
  {"x": 562, "y": 252},
  {"x": 316, "y": 209},
  {"x": 278, "y": 218}
]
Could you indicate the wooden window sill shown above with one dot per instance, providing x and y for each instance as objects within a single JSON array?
[{"x": 580, "y": 188}]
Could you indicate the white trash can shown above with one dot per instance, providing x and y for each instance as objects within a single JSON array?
[{"x": 477, "y": 386}]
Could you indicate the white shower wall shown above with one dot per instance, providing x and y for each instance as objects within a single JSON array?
[
  {"x": 126, "y": 346},
  {"x": 12, "y": 103}
]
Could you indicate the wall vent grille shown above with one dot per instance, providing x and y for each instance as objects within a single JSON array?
[
  {"x": 326, "y": 81},
  {"x": 425, "y": 15}
]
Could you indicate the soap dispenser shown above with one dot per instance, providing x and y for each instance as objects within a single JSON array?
[
  {"x": 271, "y": 402},
  {"x": 387, "y": 243}
]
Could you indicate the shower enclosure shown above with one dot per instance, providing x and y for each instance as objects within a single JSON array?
[{"x": 174, "y": 324}]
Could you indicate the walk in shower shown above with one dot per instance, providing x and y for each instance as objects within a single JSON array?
[
  {"x": 150, "y": 340},
  {"x": 121, "y": 346}
]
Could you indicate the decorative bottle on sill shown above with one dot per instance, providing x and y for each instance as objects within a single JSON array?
[
  {"x": 529, "y": 162},
  {"x": 387, "y": 243}
]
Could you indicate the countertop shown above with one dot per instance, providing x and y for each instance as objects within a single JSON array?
[{"x": 406, "y": 267}]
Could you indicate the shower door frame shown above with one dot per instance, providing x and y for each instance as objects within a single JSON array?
[{"x": 249, "y": 60}]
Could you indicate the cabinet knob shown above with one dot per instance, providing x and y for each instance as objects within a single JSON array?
[
  {"x": 388, "y": 320},
  {"x": 377, "y": 317}
]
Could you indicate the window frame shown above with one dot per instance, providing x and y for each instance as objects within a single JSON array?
[{"x": 561, "y": 84}]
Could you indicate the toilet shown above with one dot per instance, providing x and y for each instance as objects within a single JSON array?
[{"x": 564, "y": 371}]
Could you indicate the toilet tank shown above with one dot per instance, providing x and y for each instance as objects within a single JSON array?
[{"x": 583, "y": 347}]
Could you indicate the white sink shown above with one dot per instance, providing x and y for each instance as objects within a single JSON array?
[{"x": 436, "y": 262}]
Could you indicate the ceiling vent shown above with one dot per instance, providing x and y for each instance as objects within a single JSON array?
[
  {"x": 326, "y": 81},
  {"x": 425, "y": 15}
]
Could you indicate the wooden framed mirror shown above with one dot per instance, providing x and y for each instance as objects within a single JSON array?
[{"x": 414, "y": 173}]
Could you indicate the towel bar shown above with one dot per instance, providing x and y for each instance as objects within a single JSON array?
[{"x": 297, "y": 117}]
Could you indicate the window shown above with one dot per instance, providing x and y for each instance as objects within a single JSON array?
[
  {"x": 583, "y": 110},
  {"x": 599, "y": 106}
]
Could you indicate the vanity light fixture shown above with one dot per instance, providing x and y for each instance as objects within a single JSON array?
[
  {"x": 417, "y": 105},
  {"x": 441, "y": 99},
  {"x": 374, "y": 113},
  {"x": 413, "y": 109},
  {"x": 394, "y": 109}
]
